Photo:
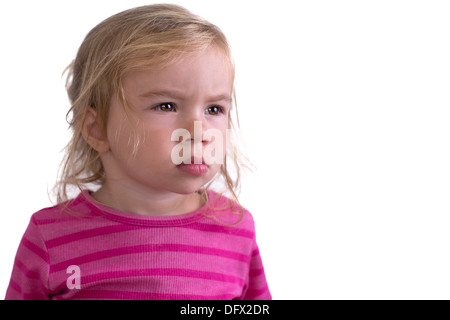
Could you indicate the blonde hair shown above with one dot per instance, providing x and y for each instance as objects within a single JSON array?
[{"x": 137, "y": 38}]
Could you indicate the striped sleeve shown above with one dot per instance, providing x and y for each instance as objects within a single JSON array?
[
  {"x": 29, "y": 278},
  {"x": 257, "y": 288}
]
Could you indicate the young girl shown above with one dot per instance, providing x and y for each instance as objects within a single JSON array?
[{"x": 146, "y": 86}]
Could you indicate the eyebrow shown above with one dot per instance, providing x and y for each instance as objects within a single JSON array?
[{"x": 179, "y": 96}]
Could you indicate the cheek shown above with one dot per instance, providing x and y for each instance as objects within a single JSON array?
[
  {"x": 215, "y": 150},
  {"x": 150, "y": 136},
  {"x": 139, "y": 140},
  {"x": 224, "y": 143},
  {"x": 155, "y": 143},
  {"x": 223, "y": 137},
  {"x": 120, "y": 138}
]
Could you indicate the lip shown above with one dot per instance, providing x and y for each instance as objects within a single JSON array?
[{"x": 194, "y": 169}]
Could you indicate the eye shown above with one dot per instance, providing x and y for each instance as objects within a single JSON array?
[
  {"x": 166, "y": 107},
  {"x": 214, "y": 110}
]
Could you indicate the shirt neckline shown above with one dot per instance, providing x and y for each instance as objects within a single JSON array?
[{"x": 144, "y": 220}]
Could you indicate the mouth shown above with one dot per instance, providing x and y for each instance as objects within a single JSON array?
[
  {"x": 197, "y": 167},
  {"x": 194, "y": 169}
]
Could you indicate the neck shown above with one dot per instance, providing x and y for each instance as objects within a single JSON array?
[{"x": 156, "y": 203}]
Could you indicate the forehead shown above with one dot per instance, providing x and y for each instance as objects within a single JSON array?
[{"x": 208, "y": 71}]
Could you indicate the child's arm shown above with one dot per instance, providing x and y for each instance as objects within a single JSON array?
[
  {"x": 257, "y": 288},
  {"x": 29, "y": 279}
]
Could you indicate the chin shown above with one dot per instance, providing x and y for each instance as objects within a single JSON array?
[
  {"x": 187, "y": 189},
  {"x": 190, "y": 184}
]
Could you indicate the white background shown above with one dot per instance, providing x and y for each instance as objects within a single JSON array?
[{"x": 345, "y": 111}]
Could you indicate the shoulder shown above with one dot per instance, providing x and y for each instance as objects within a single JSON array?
[
  {"x": 48, "y": 215},
  {"x": 66, "y": 217},
  {"x": 66, "y": 211},
  {"x": 229, "y": 211}
]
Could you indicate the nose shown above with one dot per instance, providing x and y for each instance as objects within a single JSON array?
[{"x": 196, "y": 129}]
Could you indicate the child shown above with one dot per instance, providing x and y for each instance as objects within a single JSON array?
[{"x": 146, "y": 86}]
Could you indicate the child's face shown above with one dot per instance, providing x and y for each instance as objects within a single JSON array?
[{"x": 196, "y": 88}]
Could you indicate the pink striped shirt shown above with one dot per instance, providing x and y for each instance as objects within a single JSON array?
[{"x": 91, "y": 251}]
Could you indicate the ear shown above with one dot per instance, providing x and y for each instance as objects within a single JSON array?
[{"x": 93, "y": 134}]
